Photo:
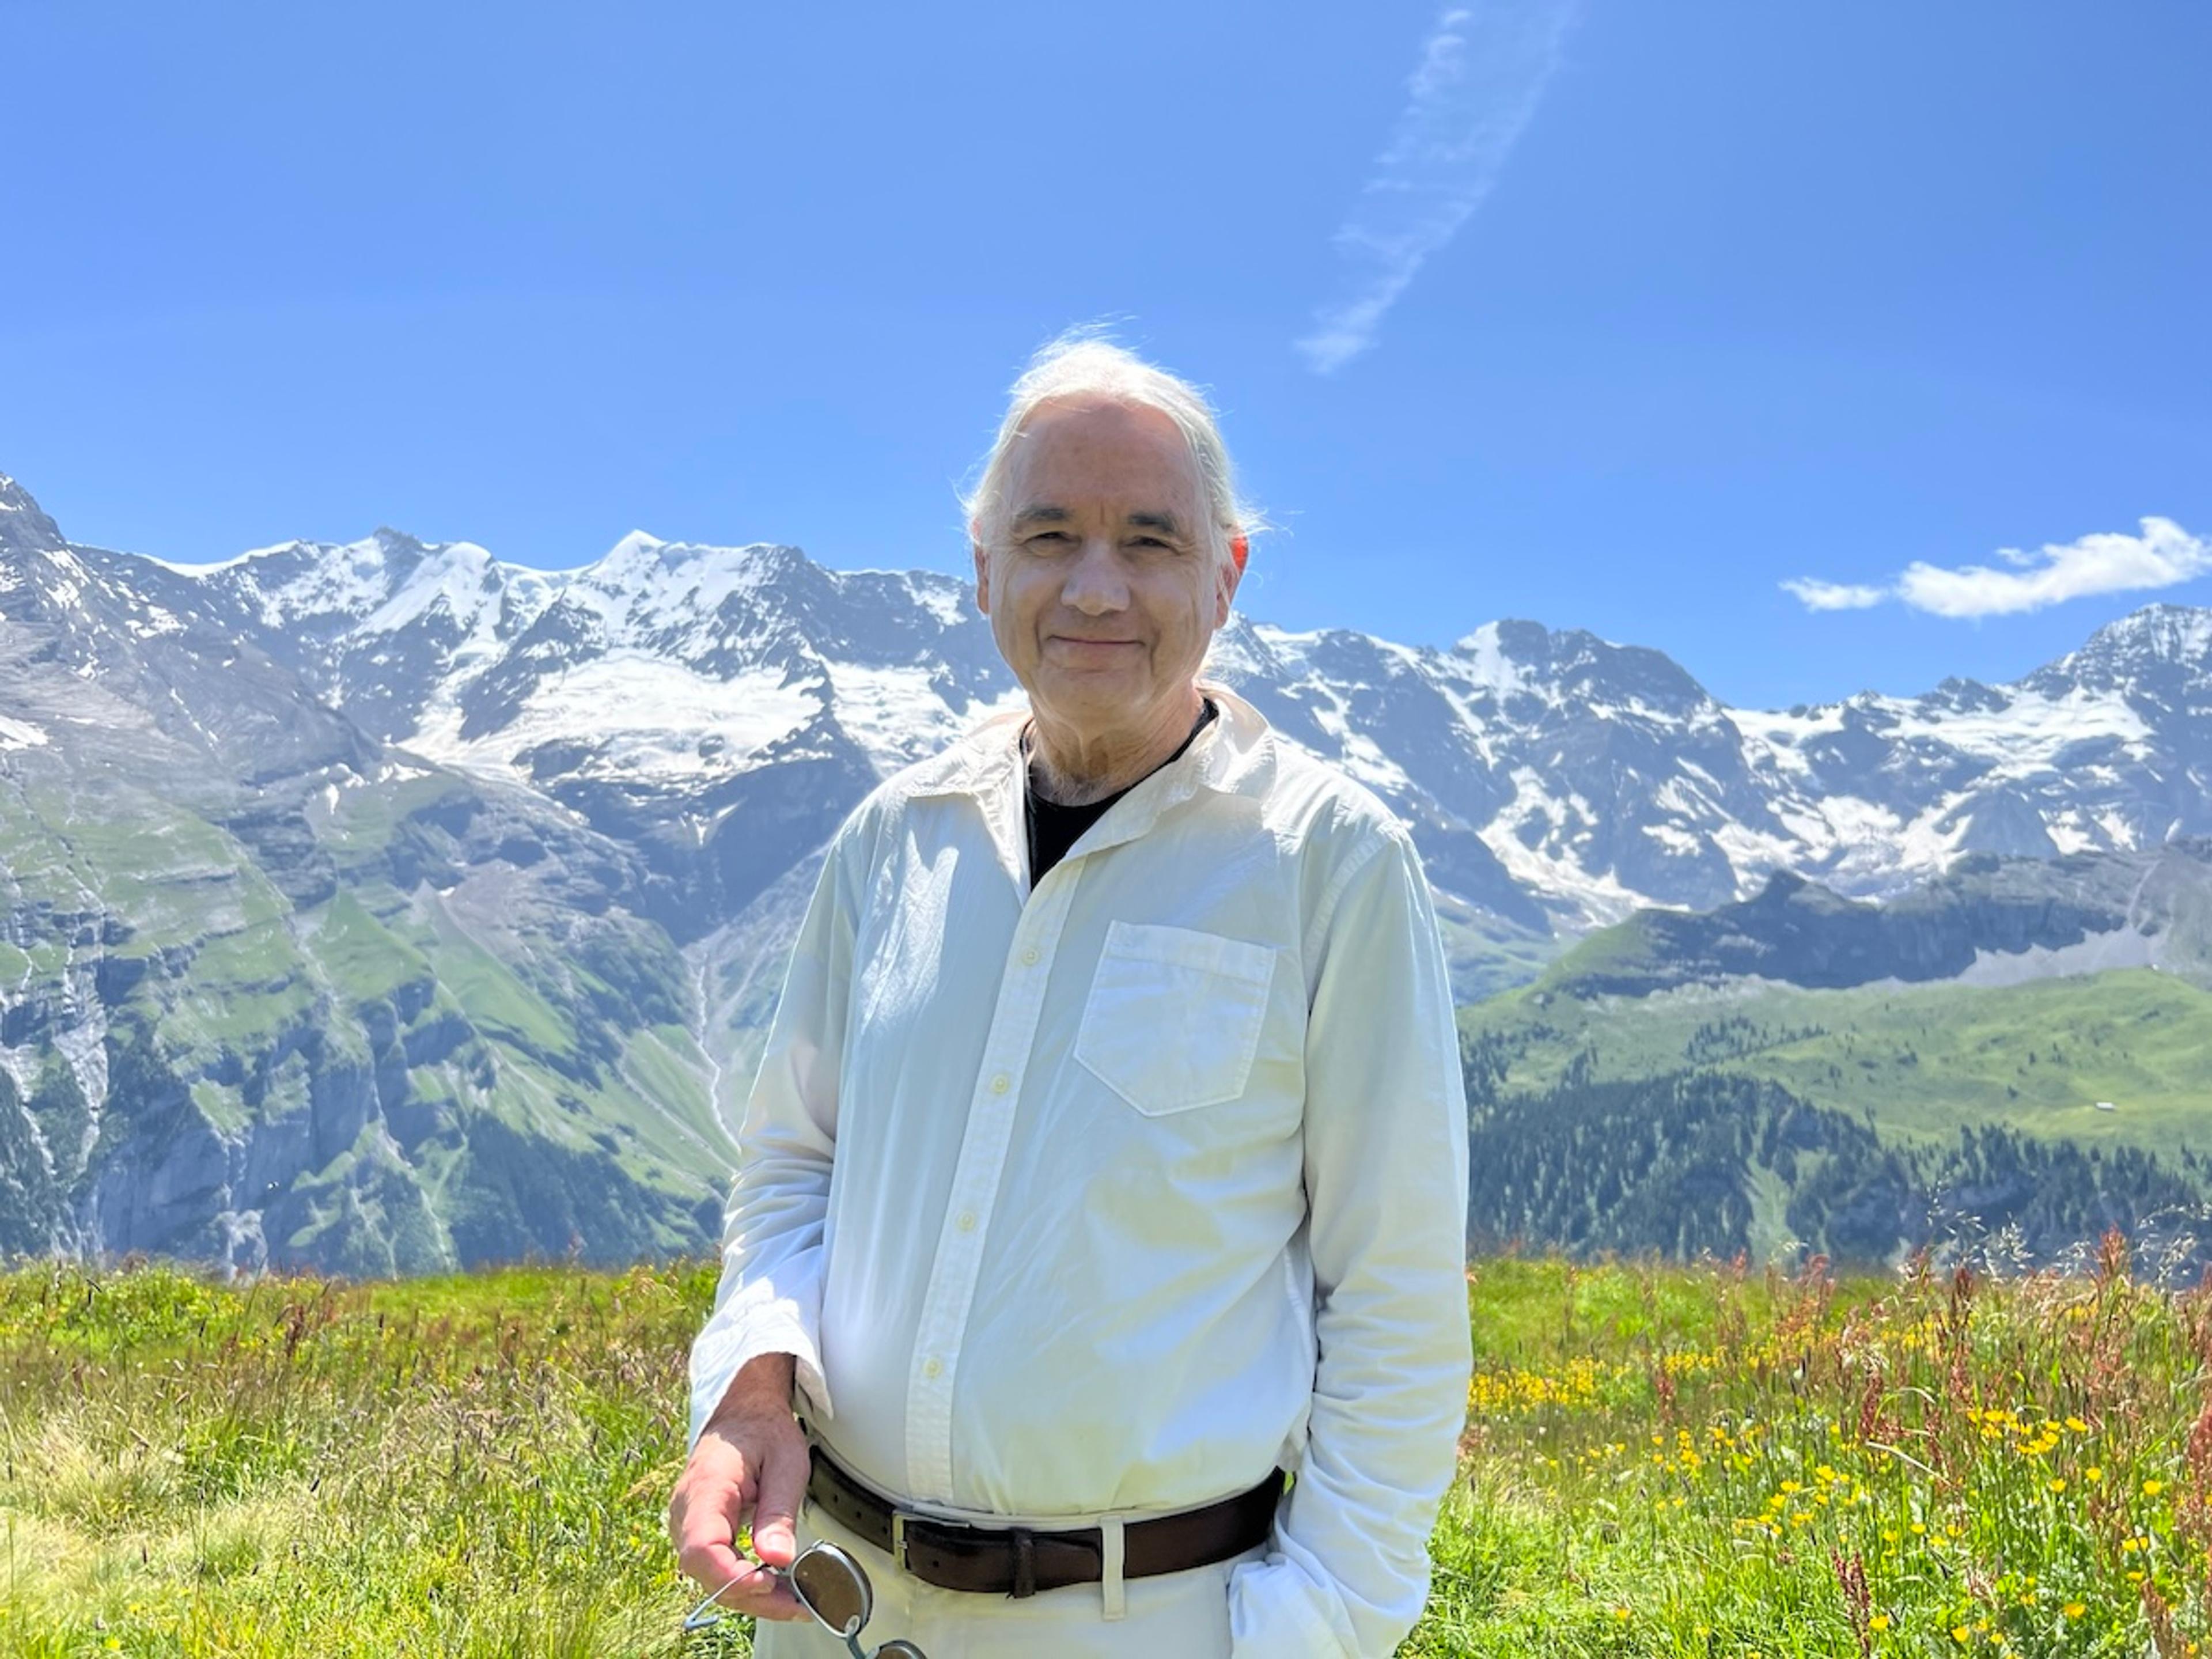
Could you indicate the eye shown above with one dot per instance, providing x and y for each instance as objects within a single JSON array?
[{"x": 1049, "y": 538}]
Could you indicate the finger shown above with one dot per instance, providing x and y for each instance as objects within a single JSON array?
[
  {"x": 744, "y": 1585},
  {"x": 775, "y": 1514},
  {"x": 704, "y": 1519}
]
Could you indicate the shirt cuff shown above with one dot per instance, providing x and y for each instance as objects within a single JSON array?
[
  {"x": 1276, "y": 1611},
  {"x": 724, "y": 1349}
]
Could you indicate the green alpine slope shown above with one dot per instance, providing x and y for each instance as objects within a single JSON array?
[{"x": 393, "y": 1025}]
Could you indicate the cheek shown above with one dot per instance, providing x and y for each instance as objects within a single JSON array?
[{"x": 1018, "y": 600}]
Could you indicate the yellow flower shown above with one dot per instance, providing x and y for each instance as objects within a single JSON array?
[
  {"x": 2077, "y": 1425},
  {"x": 2074, "y": 1609},
  {"x": 2058, "y": 1485},
  {"x": 2094, "y": 1472},
  {"x": 1961, "y": 1635},
  {"x": 2152, "y": 1488},
  {"x": 1879, "y": 1621}
]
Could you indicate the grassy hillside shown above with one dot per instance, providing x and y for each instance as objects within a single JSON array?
[
  {"x": 392, "y": 1026},
  {"x": 1919, "y": 1063},
  {"x": 1670, "y": 1461}
]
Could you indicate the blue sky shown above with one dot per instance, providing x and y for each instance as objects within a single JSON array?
[{"x": 1609, "y": 314}]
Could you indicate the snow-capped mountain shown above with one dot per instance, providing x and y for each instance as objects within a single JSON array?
[
  {"x": 1597, "y": 778},
  {"x": 671, "y": 692},
  {"x": 656, "y": 693},
  {"x": 386, "y": 905}
]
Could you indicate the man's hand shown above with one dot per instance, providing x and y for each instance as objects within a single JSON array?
[{"x": 751, "y": 1460}]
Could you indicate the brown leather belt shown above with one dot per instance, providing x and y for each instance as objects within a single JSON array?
[{"x": 1017, "y": 1561}]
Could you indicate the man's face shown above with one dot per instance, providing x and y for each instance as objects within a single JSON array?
[{"x": 1100, "y": 584}]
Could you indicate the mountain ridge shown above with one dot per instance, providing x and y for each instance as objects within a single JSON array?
[{"x": 384, "y": 904}]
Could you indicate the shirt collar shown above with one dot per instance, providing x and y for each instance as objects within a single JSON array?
[{"x": 1233, "y": 754}]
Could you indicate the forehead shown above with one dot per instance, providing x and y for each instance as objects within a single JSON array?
[{"x": 1071, "y": 453}]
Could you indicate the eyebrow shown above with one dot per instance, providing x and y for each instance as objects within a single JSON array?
[{"x": 1165, "y": 523}]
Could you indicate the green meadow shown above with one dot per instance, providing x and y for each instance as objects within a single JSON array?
[
  {"x": 1659, "y": 1461},
  {"x": 1920, "y": 1062}
]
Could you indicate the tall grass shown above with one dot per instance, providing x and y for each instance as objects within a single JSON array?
[{"x": 1659, "y": 1461}]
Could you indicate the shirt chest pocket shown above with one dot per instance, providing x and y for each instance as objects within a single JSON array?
[{"x": 1174, "y": 1016}]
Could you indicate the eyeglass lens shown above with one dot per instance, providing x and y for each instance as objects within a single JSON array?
[{"x": 830, "y": 1585}]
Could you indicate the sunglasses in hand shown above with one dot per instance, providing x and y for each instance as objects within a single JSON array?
[{"x": 831, "y": 1587}]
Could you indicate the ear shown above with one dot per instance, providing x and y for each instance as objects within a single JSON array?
[
  {"x": 1227, "y": 578},
  {"x": 982, "y": 566}
]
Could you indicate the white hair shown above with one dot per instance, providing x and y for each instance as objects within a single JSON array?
[{"x": 1081, "y": 365}]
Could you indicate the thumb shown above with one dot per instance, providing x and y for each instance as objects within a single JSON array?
[{"x": 775, "y": 1512}]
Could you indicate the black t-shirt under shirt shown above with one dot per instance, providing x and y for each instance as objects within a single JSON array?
[{"x": 1053, "y": 828}]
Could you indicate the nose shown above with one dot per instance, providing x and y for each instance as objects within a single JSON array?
[{"x": 1096, "y": 583}]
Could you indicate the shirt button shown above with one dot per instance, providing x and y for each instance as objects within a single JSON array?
[
  {"x": 1030, "y": 955},
  {"x": 967, "y": 1221},
  {"x": 1000, "y": 1084},
  {"x": 932, "y": 1367}
]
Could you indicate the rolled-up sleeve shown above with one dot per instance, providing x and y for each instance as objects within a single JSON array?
[
  {"x": 1386, "y": 1155},
  {"x": 770, "y": 1298}
]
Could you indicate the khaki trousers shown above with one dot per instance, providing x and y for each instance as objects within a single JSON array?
[{"x": 1178, "y": 1615}]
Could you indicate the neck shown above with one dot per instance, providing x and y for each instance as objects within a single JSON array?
[{"x": 1073, "y": 768}]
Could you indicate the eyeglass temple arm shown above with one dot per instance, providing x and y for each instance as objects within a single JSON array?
[{"x": 693, "y": 1621}]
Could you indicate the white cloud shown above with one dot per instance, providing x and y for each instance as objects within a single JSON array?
[
  {"x": 1834, "y": 596},
  {"x": 2112, "y": 563},
  {"x": 1483, "y": 70},
  {"x": 2109, "y": 562}
]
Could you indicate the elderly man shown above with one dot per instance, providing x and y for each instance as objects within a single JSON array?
[{"x": 1108, "y": 1158}]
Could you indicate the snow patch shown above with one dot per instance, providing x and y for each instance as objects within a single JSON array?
[
  {"x": 898, "y": 715},
  {"x": 641, "y": 719},
  {"x": 1487, "y": 662}
]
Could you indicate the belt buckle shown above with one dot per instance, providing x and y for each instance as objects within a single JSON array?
[{"x": 898, "y": 1540}]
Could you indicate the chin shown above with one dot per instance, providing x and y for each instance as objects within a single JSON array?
[{"x": 1068, "y": 695}]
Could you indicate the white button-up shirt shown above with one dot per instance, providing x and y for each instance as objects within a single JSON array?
[{"x": 1111, "y": 1195}]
